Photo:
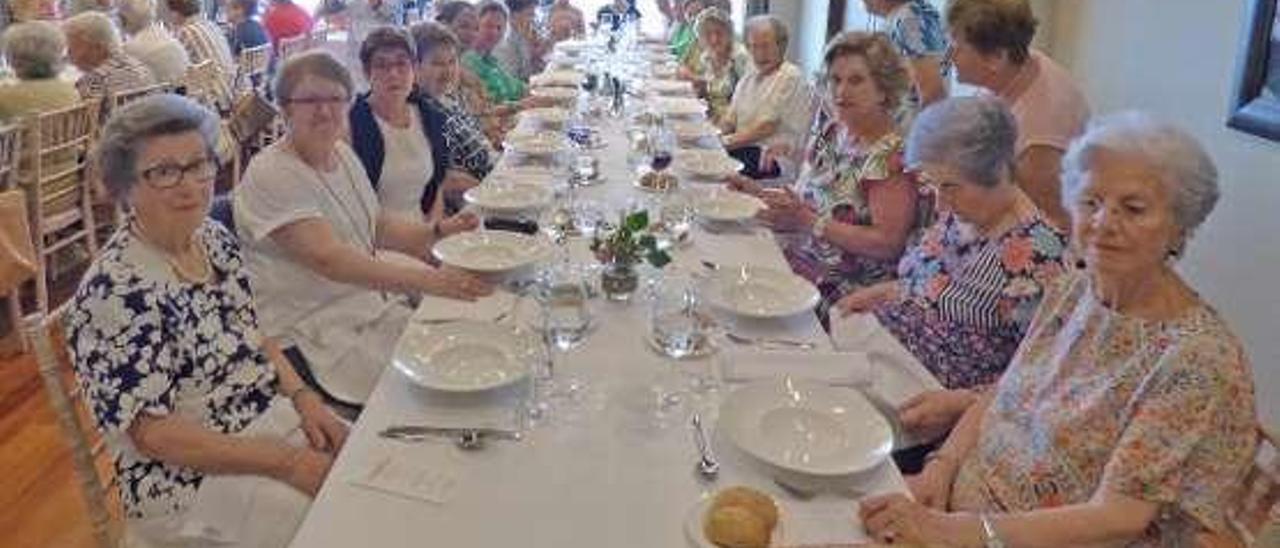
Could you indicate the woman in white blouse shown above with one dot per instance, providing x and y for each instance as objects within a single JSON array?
[
  {"x": 313, "y": 227},
  {"x": 399, "y": 135},
  {"x": 771, "y": 106}
]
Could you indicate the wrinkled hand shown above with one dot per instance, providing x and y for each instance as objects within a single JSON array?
[
  {"x": 325, "y": 431},
  {"x": 743, "y": 184},
  {"x": 932, "y": 486},
  {"x": 307, "y": 470},
  {"x": 896, "y": 519},
  {"x": 460, "y": 222},
  {"x": 771, "y": 154},
  {"x": 785, "y": 212},
  {"x": 867, "y": 298},
  {"x": 453, "y": 283},
  {"x": 931, "y": 414}
]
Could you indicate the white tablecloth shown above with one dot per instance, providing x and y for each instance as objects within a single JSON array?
[{"x": 600, "y": 476}]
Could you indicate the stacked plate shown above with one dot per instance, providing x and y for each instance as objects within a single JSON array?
[
  {"x": 558, "y": 94},
  {"x": 727, "y": 206},
  {"x": 491, "y": 251},
  {"x": 706, "y": 164},
  {"x": 668, "y": 87},
  {"x": 537, "y": 143},
  {"x": 684, "y": 107},
  {"x": 687, "y": 131},
  {"x": 760, "y": 292},
  {"x": 546, "y": 116},
  {"x": 805, "y": 430},
  {"x": 557, "y": 78},
  {"x": 509, "y": 198},
  {"x": 464, "y": 356}
]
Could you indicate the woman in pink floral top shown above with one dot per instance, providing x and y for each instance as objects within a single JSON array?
[
  {"x": 846, "y": 227},
  {"x": 1127, "y": 416},
  {"x": 968, "y": 288}
]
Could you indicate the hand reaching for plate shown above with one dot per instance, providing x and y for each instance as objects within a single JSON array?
[{"x": 458, "y": 284}]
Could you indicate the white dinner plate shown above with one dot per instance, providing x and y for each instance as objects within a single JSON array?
[
  {"x": 678, "y": 106},
  {"x": 557, "y": 93},
  {"x": 557, "y": 78},
  {"x": 727, "y": 206},
  {"x": 697, "y": 515},
  {"x": 510, "y": 175},
  {"x": 685, "y": 130},
  {"x": 806, "y": 427},
  {"x": 539, "y": 143},
  {"x": 491, "y": 251},
  {"x": 509, "y": 198},
  {"x": 464, "y": 356},
  {"x": 664, "y": 86},
  {"x": 705, "y": 164},
  {"x": 546, "y": 115},
  {"x": 759, "y": 292}
]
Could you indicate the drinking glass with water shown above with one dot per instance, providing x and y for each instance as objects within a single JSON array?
[
  {"x": 566, "y": 308},
  {"x": 676, "y": 324}
]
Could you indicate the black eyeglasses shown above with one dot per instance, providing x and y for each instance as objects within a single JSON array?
[{"x": 170, "y": 174}]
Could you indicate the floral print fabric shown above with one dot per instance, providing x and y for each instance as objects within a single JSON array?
[
  {"x": 1097, "y": 401},
  {"x": 966, "y": 300},
  {"x": 144, "y": 343}
]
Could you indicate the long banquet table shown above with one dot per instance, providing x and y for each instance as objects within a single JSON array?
[{"x": 594, "y": 476}]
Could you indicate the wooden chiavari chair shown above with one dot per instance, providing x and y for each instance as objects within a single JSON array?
[
  {"x": 294, "y": 45},
  {"x": 54, "y": 172},
  {"x": 10, "y": 154},
  {"x": 57, "y": 374},
  {"x": 253, "y": 65}
]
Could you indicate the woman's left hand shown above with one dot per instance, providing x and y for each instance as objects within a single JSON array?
[
  {"x": 461, "y": 222},
  {"x": 786, "y": 212},
  {"x": 325, "y": 432},
  {"x": 896, "y": 519}
]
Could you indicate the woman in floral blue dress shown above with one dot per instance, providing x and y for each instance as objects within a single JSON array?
[
  {"x": 215, "y": 438},
  {"x": 968, "y": 288}
]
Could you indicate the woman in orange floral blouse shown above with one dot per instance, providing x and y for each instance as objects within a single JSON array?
[{"x": 1127, "y": 415}]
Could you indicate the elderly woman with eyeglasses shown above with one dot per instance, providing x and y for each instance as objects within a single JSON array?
[
  {"x": 1127, "y": 415},
  {"x": 848, "y": 217},
  {"x": 34, "y": 51},
  {"x": 967, "y": 289},
  {"x": 317, "y": 239},
  {"x": 189, "y": 396},
  {"x": 438, "y": 76},
  {"x": 991, "y": 48}
]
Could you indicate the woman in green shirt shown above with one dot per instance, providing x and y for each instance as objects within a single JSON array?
[{"x": 501, "y": 85}]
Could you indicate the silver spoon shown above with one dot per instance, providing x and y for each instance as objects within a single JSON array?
[{"x": 707, "y": 465}]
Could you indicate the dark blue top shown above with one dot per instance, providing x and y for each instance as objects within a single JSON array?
[
  {"x": 247, "y": 34},
  {"x": 366, "y": 139}
]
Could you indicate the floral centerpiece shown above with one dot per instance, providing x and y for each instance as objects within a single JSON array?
[{"x": 621, "y": 249}]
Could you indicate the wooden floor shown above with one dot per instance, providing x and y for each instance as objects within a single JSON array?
[{"x": 40, "y": 503}]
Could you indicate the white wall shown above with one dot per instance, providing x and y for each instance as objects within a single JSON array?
[{"x": 1177, "y": 59}]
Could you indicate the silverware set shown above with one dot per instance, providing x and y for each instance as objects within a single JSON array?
[{"x": 464, "y": 438}]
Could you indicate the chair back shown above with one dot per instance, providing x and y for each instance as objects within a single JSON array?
[
  {"x": 253, "y": 65},
  {"x": 10, "y": 153},
  {"x": 294, "y": 45},
  {"x": 55, "y": 367},
  {"x": 127, "y": 96},
  {"x": 207, "y": 85}
]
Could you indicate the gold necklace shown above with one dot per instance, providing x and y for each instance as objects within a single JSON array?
[{"x": 205, "y": 270}]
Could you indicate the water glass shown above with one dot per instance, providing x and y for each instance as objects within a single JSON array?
[
  {"x": 566, "y": 307},
  {"x": 676, "y": 324},
  {"x": 676, "y": 214}
]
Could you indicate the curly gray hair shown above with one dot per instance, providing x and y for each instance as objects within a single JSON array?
[
  {"x": 131, "y": 126},
  {"x": 34, "y": 49},
  {"x": 1177, "y": 158},
  {"x": 780, "y": 32},
  {"x": 95, "y": 28},
  {"x": 972, "y": 135}
]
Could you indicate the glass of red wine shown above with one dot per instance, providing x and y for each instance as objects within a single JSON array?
[{"x": 662, "y": 143}]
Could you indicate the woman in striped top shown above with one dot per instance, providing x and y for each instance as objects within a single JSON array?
[{"x": 969, "y": 287}]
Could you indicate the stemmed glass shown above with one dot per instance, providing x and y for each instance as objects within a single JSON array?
[{"x": 563, "y": 323}]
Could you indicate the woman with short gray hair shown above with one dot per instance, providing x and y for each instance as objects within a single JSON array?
[
  {"x": 34, "y": 51},
  {"x": 967, "y": 289},
  {"x": 771, "y": 105},
  {"x": 162, "y": 332},
  {"x": 1127, "y": 416},
  {"x": 94, "y": 47},
  {"x": 318, "y": 241},
  {"x": 150, "y": 43}
]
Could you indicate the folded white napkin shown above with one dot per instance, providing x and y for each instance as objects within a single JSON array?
[
  {"x": 826, "y": 523},
  {"x": 424, "y": 472},
  {"x": 435, "y": 309},
  {"x": 836, "y": 368}
]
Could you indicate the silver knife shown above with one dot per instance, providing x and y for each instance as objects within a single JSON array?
[{"x": 416, "y": 431}]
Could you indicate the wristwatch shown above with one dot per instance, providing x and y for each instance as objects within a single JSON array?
[{"x": 989, "y": 537}]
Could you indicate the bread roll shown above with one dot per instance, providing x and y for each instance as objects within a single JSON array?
[
  {"x": 736, "y": 527},
  {"x": 757, "y": 502}
]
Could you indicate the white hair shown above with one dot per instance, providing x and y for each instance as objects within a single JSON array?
[
  {"x": 34, "y": 49},
  {"x": 95, "y": 27},
  {"x": 1178, "y": 159},
  {"x": 137, "y": 14},
  {"x": 973, "y": 135},
  {"x": 780, "y": 32}
]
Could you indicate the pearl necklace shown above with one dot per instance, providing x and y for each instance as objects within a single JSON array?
[{"x": 202, "y": 276}]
